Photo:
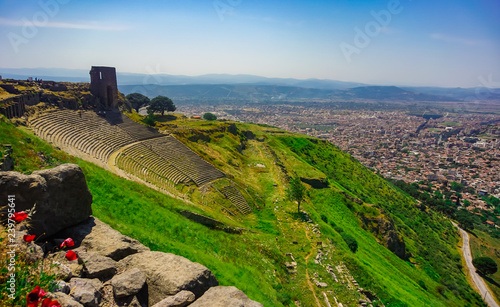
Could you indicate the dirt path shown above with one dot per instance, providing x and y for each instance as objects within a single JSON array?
[
  {"x": 479, "y": 282},
  {"x": 308, "y": 279}
]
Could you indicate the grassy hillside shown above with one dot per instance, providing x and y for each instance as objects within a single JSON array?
[
  {"x": 484, "y": 245},
  {"x": 259, "y": 159}
]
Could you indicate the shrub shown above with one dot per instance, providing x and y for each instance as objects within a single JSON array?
[
  {"x": 150, "y": 119},
  {"x": 421, "y": 283},
  {"x": 324, "y": 218},
  {"x": 350, "y": 241},
  {"x": 485, "y": 265}
]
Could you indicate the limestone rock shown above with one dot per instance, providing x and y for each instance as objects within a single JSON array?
[
  {"x": 96, "y": 265},
  {"x": 128, "y": 283},
  {"x": 223, "y": 297},
  {"x": 61, "y": 286},
  {"x": 61, "y": 271},
  {"x": 64, "y": 299},
  {"x": 61, "y": 196},
  {"x": 86, "y": 291},
  {"x": 168, "y": 274},
  {"x": 99, "y": 237},
  {"x": 181, "y": 299}
]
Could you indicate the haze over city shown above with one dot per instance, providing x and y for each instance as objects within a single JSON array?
[{"x": 421, "y": 43}]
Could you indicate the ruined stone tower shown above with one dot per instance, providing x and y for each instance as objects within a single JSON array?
[{"x": 103, "y": 85}]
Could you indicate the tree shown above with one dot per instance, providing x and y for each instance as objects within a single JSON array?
[
  {"x": 485, "y": 265},
  {"x": 296, "y": 191},
  {"x": 209, "y": 116},
  {"x": 137, "y": 100},
  {"x": 161, "y": 104},
  {"x": 465, "y": 220}
]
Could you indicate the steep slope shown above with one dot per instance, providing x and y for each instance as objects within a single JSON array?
[{"x": 286, "y": 258}]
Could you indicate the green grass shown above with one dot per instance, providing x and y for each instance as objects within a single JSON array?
[
  {"x": 484, "y": 245},
  {"x": 254, "y": 260},
  {"x": 246, "y": 261}
]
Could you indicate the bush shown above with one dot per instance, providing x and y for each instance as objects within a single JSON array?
[
  {"x": 336, "y": 228},
  {"x": 485, "y": 265},
  {"x": 209, "y": 116},
  {"x": 421, "y": 283},
  {"x": 324, "y": 218},
  {"x": 150, "y": 119},
  {"x": 351, "y": 242}
]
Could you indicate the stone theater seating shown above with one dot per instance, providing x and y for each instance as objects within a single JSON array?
[{"x": 142, "y": 151}]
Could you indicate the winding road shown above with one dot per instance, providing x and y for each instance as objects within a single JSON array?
[{"x": 480, "y": 284}]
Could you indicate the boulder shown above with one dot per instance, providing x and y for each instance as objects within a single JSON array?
[
  {"x": 168, "y": 274},
  {"x": 64, "y": 299},
  {"x": 223, "y": 297},
  {"x": 86, "y": 291},
  {"x": 181, "y": 299},
  {"x": 96, "y": 236},
  {"x": 61, "y": 286},
  {"x": 96, "y": 265},
  {"x": 61, "y": 196},
  {"x": 128, "y": 283}
]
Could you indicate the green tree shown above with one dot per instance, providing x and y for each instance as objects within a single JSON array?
[
  {"x": 296, "y": 191},
  {"x": 209, "y": 116},
  {"x": 485, "y": 265},
  {"x": 137, "y": 100},
  {"x": 161, "y": 104},
  {"x": 464, "y": 220}
]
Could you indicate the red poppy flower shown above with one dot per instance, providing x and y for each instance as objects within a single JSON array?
[
  {"x": 71, "y": 255},
  {"x": 68, "y": 243},
  {"x": 28, "y": 238},
  {"x": 49, "y": 303},
  {"x": 35, "y": 296},
  {"x": 19, "y": 216}
]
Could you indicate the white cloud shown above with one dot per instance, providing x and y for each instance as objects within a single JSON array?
[
  {"x": 457, "y": 40},
  {"x": 88, "y": 25}
]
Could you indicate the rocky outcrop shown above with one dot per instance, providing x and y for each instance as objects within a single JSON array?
[
  {"x": 96, "y": 236},
  {"x": 86, "y": 291},
  {"x": 181, "y": 299},
  {"x": 384, "y": 230},
  {"x": 111, "y": 269},
  {"x": 61, "y": 196},
  {"x": 224, "y": 297},
  {"x": 97, "y": 266},
  {"x": 168, "y": 274},
  {"x": 316, "y": 183},
  {"x": 128, "y": 283}
]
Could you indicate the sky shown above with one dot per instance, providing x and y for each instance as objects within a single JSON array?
[{"x": 388, "y": 42}]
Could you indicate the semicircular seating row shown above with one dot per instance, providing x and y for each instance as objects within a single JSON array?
[{"x": 150, "y": 155}]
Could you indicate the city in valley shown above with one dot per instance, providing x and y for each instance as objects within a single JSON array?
[{"x": 440, "y": 152}]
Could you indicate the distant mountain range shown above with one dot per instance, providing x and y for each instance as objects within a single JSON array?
[
  {"x": 269, "y": 93},
  {"x": 249, "y": 87}
]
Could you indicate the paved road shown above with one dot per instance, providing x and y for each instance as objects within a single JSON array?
[{"x": 483, "y": 289}]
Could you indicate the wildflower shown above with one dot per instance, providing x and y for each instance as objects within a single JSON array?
[
  {"x": 68, "y": 243},
  {"x": 28, "y": 238},
  {"x": 35, "y": 296},
  {"x": 71, "y": 255},
  {"x": 19, "y": 216},
  {"x": 49, "y": 303}
]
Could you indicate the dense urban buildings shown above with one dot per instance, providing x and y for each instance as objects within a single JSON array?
[{"x": 459, "y": 150}]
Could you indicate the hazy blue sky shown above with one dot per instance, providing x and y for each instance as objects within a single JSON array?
[{"x": 419, "y": 42}]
